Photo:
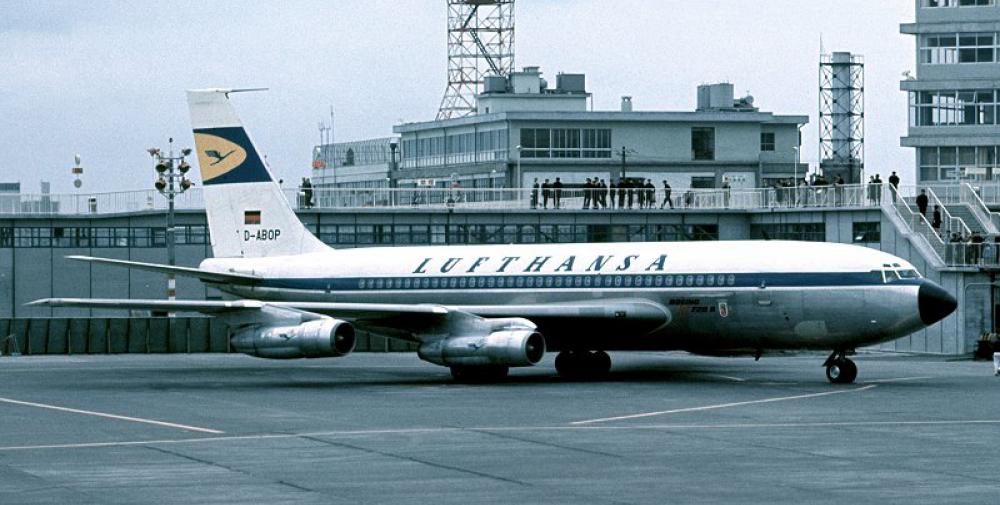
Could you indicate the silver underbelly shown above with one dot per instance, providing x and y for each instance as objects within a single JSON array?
[{"x": 702, "y": 319}]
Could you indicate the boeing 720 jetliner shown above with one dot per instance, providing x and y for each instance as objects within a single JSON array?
[{"x": 483, "y": 309}]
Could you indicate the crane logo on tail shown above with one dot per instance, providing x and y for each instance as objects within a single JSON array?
[{"x": 217, "y": 156}]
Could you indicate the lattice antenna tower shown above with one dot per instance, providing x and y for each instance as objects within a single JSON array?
[
  {"x": 842, "y": 116},
  {"x": 480, "y": 43}
]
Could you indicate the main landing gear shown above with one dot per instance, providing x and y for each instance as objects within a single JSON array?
[
  {"x": 839, "y": 369},
  {"x": 583, "y": 364}
]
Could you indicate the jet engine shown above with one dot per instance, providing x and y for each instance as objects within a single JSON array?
[
  {"x": 319, "y": 338},
  {"x": 519, "y": 347}
]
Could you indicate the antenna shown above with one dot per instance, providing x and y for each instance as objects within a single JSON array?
[{"x": 245, "y": 90}]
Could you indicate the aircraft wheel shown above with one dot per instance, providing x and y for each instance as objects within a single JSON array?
[
  {"x": 479, "y": 374},
  {"x": 842, "y": 371},
  {"x": 583, "y": 364},
  {"x": 601, "y": 362},
  {"x": 563, "y": 362}
]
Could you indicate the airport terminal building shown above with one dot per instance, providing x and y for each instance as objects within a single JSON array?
[{"x": 524, "y": 130}]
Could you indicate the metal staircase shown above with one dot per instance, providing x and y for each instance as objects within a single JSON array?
[{"x": 963, "y": 212}]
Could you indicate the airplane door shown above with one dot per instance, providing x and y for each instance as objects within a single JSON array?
[{"x": 770, "y": 317}]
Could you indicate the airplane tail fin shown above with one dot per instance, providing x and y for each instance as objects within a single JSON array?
[{"x": 248, "y": 216}]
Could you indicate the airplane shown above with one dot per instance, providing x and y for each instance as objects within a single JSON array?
[{"x": 482, "y": 309}]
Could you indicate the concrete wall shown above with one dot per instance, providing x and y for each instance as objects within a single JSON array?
[
  {"x": 145, "y": 335},
  {"x": 30, "y": 273}
]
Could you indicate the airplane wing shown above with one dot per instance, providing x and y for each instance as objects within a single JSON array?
[
  {"x": 405, "y": 317},
  {"x": 204, "y": 275},
  {"x": 603, "y": 315},
  {"x": 633, "y": 309}
]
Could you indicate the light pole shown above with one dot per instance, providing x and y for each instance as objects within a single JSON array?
[
  {"x": 393, "y": 166},
  {"x": 517, "y": 176},
  {"x": 171, "y": 168},
  {"x": 795, "y": 168}
]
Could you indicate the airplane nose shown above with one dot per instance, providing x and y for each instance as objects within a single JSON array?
[{"x": 934, "y": 303}]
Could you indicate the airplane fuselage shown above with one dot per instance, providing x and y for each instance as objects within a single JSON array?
[{"x": 720, "y": 297}]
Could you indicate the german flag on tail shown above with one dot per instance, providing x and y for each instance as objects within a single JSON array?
[{"x": 251, "y": 217}]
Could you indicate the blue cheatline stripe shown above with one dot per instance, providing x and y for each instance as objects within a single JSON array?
[
  {"x": 571, "y": 281},
  {"x": 251, "y": 170}
]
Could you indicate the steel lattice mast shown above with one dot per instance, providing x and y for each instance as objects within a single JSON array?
[
  {"x": 842, "y": 115},
  {"x": 480, "y": 43}
]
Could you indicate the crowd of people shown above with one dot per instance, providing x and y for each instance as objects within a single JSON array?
[
  {"x": 971, "y": 249},
  {"x": 629, "y": 193},
  {"x": 596, "y": 193},
  {"x": 960, "y": 247}
]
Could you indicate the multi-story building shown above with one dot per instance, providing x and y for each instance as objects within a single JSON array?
[
  {"x": 525, "y": 130},
  {"x": 953, "y": 97},
  {"x": 363, "y": 164}
]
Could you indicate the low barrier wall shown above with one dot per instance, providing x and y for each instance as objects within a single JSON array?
[{"x": 142, "y": 335}]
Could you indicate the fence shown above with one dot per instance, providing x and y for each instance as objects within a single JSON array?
[{"x": 142, "y": 335}]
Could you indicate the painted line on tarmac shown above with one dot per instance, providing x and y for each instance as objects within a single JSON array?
[
  {"x": 533, "y": 429},
  {"x": 719, "y": 406},
  {"x": 110, "y": 416},
  {"x": 896, "y": 379}
]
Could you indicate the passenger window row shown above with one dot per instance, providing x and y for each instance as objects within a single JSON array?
[{"x": 550, "y": 281}]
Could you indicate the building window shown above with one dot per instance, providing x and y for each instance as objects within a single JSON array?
[
  {"x": 534, "y": 143},
  {"x": 949, "y": 48},
  {"x": 700, "y": 232},
  {"x": 809, "y": 232},
  {"x": 867, "y": 233},
  {"x": 930, "y": 4},
  {"x": 702, "y": 143},
  {"x": 953, "y": 108},
  {"x": 596, "y": 143},
  {"x": 702, "y": 182},
  {"x": 948, "y": 163},
  {"x": 565, "y": 143},
  {"x": 767, "y": 141}
]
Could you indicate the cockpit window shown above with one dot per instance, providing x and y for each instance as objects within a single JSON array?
[
  {"x": 894, "y": 274},
  {"x": 879, "y": 275}
]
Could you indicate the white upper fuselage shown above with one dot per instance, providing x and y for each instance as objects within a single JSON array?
[{"x": 565, "y": 259}]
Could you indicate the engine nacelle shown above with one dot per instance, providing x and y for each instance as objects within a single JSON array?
[
  {"x": 320, "y": 338},
  {"x": 520, "y": 347}
]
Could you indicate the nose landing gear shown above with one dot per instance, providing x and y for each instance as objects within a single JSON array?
[
  {"x": 839, "y": 369},
  {"x": 583, "y": 364}
]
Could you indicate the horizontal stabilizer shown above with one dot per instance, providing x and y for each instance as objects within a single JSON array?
[
  {"x": 346, "y": 310},
  {"x": 204, "y": 275}
]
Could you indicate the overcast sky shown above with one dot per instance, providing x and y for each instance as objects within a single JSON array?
[{"x": 107, "y": 79}]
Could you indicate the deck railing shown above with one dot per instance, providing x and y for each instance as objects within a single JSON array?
[{"x": 845, "y": 196}]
